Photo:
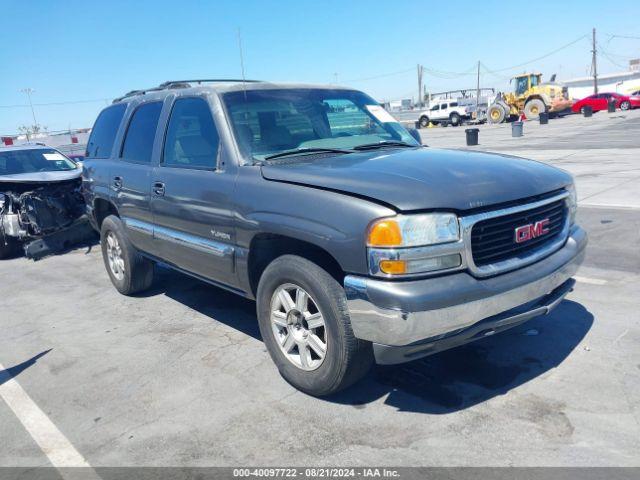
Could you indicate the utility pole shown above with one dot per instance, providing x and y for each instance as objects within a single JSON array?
[
  {"x": 594, "y": 64},
  {"x": 420, "y": 72},
  {"x": 478, "y": 88},
  {"x": 28, "y": 92}
]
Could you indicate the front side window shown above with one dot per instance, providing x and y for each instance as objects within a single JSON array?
[
  {"x": 104, "y": 131},
  {"x": 522, "y": 85},
  {"x": 15, "y": 162},
  {"x": 192, "y": 139},
  {"x": 271, "y": 121},
  {"x": 138, "y": 142}
]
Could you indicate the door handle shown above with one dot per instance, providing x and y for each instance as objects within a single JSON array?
[
  {"x": 158, "y": 188},
  {"x": 117, "y": 182}
]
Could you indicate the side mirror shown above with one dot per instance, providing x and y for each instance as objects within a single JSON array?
[{"x": 416, "y": 135}]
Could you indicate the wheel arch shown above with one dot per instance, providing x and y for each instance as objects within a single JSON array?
[
  {"x": 538, "y": 96},
  {"x": 102, "y": 208},
  {"x": 266, "y": 247}
]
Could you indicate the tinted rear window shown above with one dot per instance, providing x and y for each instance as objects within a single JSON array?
[
  {"x": 104, "y": 132},
  {"x": 138, "y": 142}
]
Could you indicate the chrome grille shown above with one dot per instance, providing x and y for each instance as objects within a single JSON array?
[{"x": 493, "y": 239}]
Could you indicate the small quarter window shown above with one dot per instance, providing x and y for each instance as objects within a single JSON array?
[
  {"x": 104, "y": 132},
  {"x": 192, "y": 139},
  {"x": 138, "y": 143}
]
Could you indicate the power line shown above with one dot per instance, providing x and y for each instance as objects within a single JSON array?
[
  {"x": 630, "y": 37},
  {"x": 540, "y": 57},
  {"x": 71, "y": 102}
]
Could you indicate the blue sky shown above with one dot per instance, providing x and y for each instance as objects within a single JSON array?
[{"x": 75, "y": 51}]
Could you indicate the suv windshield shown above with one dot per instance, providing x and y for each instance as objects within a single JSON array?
[
  {"x": 34, "y": 160},
  {"x": 267, "y": 122}
]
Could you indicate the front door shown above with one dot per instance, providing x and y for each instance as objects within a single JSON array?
[
  {"x": 190, "y": 195},
  {"x": 131, "y": 175}
]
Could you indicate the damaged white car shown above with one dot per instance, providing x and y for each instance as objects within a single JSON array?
[{"x": 41, "y": 205}]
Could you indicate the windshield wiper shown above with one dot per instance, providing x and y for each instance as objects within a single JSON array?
[
  {"x": 302, "y": 151},
  {"x": 383, "y": 144}
]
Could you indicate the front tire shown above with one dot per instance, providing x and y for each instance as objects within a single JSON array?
[
  {"x": 424, "y": 121},
  {"x": 496, "y": 114},
  {"x": 305, "y": 325},
  {"x": 128, "y": 270}
]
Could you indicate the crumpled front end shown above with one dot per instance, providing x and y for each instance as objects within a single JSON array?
[{"x": 44, "y": 217}]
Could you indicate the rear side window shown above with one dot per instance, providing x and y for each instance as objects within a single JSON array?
[
  {"x": 453, "y": 104},
  {"x": 138, "y": 142},
  {"x": 192, "y": 139},
  {"x": 104, "y": 132}
]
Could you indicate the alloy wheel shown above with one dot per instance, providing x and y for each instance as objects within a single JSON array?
[
  {"x": 114, "y": 256},
  {"x": 298, "y": 326}
]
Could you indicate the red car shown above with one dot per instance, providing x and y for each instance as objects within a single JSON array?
[{"x": 600, "y": 101}]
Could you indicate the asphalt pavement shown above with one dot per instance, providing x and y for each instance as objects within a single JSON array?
[{"x": 178, "y": 376}]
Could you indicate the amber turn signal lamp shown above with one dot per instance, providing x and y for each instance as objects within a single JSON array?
[
  {"x": 393, "y": 267},
  {"x": 385, "y": 233}
]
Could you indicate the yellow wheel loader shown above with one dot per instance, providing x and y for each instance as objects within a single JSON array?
[{"x": 530, "y": 96}]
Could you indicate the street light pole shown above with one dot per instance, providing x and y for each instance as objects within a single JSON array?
[{"x": 28, "y": 92}]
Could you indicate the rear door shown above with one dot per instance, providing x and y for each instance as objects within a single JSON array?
[
  {"x": 131, "y": 175},
  {"x": 191, "y": 194}
]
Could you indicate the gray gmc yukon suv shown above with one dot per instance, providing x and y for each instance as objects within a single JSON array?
[{"x": 357, "y": 243}]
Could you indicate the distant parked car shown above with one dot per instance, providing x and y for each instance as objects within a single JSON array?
[
  {"x": 601, "y": 100},
  {"x": 444, "y": 112}
]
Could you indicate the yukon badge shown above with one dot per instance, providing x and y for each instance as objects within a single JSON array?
[{"x": 531, "y": 231}]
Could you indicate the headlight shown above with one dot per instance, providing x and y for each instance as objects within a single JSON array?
[
  {"x": 414, "y": 244},
  {"x": 414, "y": 230},
  {"x": 572, "y": 203}
]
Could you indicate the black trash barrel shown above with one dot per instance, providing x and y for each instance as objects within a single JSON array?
[
  {"x": 587, "y": 110},
  {"x": 544, "y": 118},
  {"x": 472, "y": 136},
  {"x": 611, "y": 105},
  {"x": 516, "y": 129}
]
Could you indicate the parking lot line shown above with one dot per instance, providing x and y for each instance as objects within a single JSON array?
[
  {"x": 590, "y": 281},
  {"x": 58, "y": 449}
]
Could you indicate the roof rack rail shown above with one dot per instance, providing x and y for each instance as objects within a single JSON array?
[
  {"x": 179, "y": 83},
  {"x": 171, "y": 84}
]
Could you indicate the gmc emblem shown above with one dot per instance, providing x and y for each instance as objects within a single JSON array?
[{"x": 531, "y": 231}]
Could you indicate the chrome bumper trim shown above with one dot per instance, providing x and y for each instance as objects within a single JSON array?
[
  {"x": 389, "y": 355},
  {"x": 400, "y": 313}
]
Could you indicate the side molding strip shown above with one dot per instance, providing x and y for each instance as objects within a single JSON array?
[{"x": 180, "y": 238}]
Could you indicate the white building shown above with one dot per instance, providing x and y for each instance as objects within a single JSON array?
[{"x": 623, "y": 82}]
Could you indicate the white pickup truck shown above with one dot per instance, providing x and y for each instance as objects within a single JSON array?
[{"x": 444, "y": 112}]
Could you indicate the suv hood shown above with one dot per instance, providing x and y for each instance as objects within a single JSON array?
[
  {"x": 42, "y": 177},
  {"x": 425, "y": 178}
]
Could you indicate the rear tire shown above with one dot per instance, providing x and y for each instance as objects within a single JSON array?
[
  {"x": 625, "y": 105},
  {"x": 129, "y": 271},
  {"x": 345, "y": 358},
  {"x": 455, "y": 120},
  {"x": 533, "y": 108}
]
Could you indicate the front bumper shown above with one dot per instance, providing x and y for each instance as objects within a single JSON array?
[{"x": 407, "y": 313}]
